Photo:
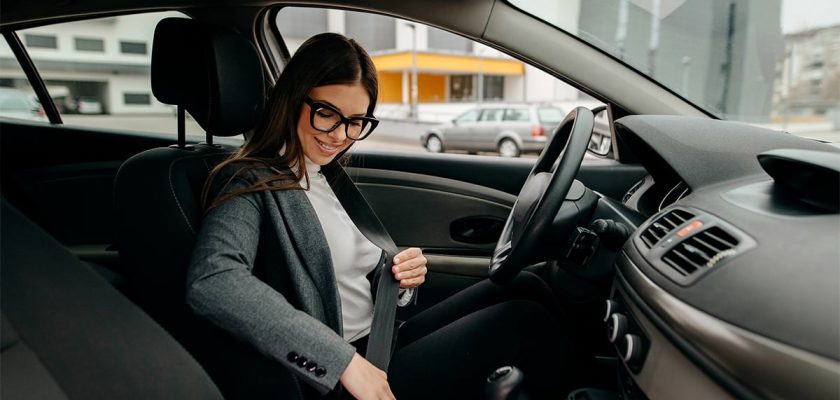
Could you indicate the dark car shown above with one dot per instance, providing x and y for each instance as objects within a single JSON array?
[
  {"x": 509, "y": 130},
  {"x": 697, "y": 260}
]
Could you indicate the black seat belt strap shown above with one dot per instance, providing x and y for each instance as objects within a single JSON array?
[{"x": 387, "y": 288}]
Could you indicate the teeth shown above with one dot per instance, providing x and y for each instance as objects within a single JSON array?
[{"x": 325, "y": 146}]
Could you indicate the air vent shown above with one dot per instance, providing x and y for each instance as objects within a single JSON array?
[
  {"x": 664, "y": 225},
  {"x": 701, "y": 251}
]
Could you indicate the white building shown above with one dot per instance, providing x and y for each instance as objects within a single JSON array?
[{"x": 106, "y": 59}]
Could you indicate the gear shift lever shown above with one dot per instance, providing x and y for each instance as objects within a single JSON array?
[{"x": 505, "y": 383}]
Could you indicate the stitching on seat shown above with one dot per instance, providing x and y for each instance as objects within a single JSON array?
[
  {"x": 177, "y": 202},
  {"x": 172, "y": 186}
]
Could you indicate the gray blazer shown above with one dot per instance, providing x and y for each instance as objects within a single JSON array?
[{"x": 261, "y": 270}]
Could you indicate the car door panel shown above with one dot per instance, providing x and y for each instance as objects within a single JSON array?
[
  {"x": 605, "y": 176},
  {"x": 67, "y": 187},
  {"x": 421, "y": 197},
  {"x": 420, "y": 210}
]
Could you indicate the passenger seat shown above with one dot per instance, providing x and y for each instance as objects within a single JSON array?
[{"x": 67, "y": 334}]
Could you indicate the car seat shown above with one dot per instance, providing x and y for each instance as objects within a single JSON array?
[{"x": 216, "y": 75}]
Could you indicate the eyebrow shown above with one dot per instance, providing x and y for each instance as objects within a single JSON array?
[{"x": 339, "y": 109}]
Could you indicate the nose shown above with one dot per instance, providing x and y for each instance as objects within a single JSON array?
[{"x": 339, "y": 134}]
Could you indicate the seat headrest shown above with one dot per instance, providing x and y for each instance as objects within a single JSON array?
[{"x": 214, "y": 73}]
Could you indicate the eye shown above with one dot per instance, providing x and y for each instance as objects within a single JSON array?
[{"x": 325, "y": 113}]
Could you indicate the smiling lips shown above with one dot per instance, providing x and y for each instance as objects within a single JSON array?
[{"x": 327, "y": 148}]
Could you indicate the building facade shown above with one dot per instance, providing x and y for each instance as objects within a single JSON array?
[
  {"x": 105, "y": 60},
  {"x": 808, "y": 76}
]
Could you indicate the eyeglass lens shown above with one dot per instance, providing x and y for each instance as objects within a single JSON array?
[{"x": 326, "y": 120}]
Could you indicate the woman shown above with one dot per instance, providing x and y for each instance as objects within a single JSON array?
[{"x": 280, "y": 264}]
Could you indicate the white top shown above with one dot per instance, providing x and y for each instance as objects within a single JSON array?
[{"x": 353, "y": 255}]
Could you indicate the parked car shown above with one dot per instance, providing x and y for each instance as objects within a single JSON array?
[
  {"x": 88, "y": 105},
  {"x": 509, "y": 130},
  {"x": 15, "y": 103},
  {"x": 699, "y": 261}
]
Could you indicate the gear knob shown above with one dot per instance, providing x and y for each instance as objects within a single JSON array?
[{"x": 505, "y": 383}]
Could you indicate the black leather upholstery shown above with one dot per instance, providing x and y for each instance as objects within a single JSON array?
[
  {"x": 66, "y": 333},
  {"x": 193, "y": 64},
  {"x": 213, "y": 73}
]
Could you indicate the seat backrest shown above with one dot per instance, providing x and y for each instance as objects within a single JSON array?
[
  {"x": 216, "y": 76},
  {"x": 66, "y": 333}
]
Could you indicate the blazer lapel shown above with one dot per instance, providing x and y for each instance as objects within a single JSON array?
[{"x": 300, "y": 223}]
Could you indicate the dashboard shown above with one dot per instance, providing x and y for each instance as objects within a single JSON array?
[{"x": 731, "y": 287}]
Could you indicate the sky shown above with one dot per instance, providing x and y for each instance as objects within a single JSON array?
[{"x": 798, "y": 15}]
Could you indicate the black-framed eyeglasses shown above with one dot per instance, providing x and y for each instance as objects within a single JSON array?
[{"x": 325, "y": 118}]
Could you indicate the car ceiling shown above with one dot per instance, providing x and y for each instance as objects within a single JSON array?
[{"x": 486, "y": 21}]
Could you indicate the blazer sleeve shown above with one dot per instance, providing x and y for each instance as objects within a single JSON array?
[{"x": 222, "y": 288}]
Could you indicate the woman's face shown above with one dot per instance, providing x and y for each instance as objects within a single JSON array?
[{"x": 351, "y": 100}]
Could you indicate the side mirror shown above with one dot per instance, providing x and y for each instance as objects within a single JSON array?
[
  {"x": 601, "y": 141},
  {"x": 455, "y": 122}
]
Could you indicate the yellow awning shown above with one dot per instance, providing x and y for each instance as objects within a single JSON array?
[{"x": 448, "y": 64}]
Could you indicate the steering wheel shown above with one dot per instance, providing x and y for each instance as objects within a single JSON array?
[{"x": 542, "y": 195}]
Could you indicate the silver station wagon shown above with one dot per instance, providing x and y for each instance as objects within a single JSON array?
[{"x": 509, "y": 130}]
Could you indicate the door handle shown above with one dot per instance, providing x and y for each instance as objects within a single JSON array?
[{"x": 477, "y": 229}]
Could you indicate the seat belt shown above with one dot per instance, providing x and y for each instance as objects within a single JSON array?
[{"x": 387, "y": 288}]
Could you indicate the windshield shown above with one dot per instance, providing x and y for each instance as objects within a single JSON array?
[
  {"x": 759, "y": 61},
  {"x": 551, "y": 116}
]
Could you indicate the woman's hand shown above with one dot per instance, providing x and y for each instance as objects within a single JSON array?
[
  {"x": 410, "y": 268},
  {"x": 364, "y": 381}
]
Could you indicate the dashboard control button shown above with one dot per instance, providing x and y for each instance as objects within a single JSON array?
[
  {"x": 616, "y": 327},
  {"x": 612, "y": 307},
  {"x": 632, "y": 349}
]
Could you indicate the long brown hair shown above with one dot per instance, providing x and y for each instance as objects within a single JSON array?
[{"x": 324, "y": 59}]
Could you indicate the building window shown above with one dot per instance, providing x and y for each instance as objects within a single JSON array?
[
  {"x": 133, "y": 47},
  {"x": 494, "y": 87},
  {"x": 143, "y": 99},
  {"x": 83, "y": 44},
  {"x": 461, "y": 88},
  {"x": 443, "y": 40},
  {"x": 41, "y": 41},
  {"x": 373, "y": 32}
]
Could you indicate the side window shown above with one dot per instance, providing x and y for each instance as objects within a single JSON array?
[
  {"x": 517, "y": 115},
  {"x": 491, "y": 115},
  {"x": 98, "y": 72},
  {"x": 429, "y": 78},
  {"x": 469, "y": 116},
  {"x": 17, "y": 98}
]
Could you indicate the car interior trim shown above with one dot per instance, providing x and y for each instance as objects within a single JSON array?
[
  {"x": 458, "y": 265},
  {"x": 420, "y": 181},
  {"x": 668, "y": 372},
  {"x": 770, "y": 368}
]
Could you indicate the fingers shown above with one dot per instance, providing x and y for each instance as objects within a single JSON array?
[
  {"x": 410, "y": 268},
  {"x": 407, "y": 254},
  {"x": 413, "y": 282}
]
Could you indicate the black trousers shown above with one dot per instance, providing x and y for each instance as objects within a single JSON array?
[{"x": 448, "y": 350}]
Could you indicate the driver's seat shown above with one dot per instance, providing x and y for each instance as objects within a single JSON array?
[{"x": 216, "y": 75}]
